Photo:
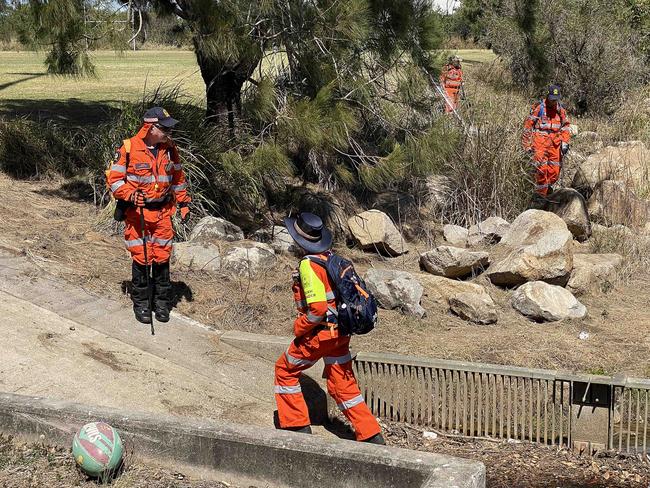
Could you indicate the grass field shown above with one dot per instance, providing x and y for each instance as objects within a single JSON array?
[{"x": 27, "y": 90}]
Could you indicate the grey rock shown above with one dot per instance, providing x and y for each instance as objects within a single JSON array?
[
  {"x": 199, "y": 256},
  {"x": 614, "y": 202},
  {"x": 454, "y": 262},
  {"x": 278, "y": 238},
  {"x": 375, "y": 231},
  {"x": 542, "y": 251},
  {"x": 396, "y": 290},
  {"x": 542, "y": 302},
  {"x": 570, "y": 206},
  {"x": 248, "y": 258},
  {"x": 591, "y": 271},
  {"x": 626, "y": 161},
  {"x": 455, "y": 235},
  {"x": 215, "y": 228},
  {"x": 474, "y": 307},
  {"x": 438, "y": 289},
  {"x": 490, "y": 231}
]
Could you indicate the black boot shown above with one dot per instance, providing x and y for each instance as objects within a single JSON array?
[
  {"x": 162, "y": 291},
  {"x": 140, "y": 293},
  {"x": 376, "y": 439}
]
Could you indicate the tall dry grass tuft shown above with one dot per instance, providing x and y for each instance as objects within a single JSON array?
[
  {"x": 489, "y": 173},
  {"x": 634, "y": 247}
]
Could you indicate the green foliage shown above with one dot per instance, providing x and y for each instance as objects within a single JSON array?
[
  {"x": 259, "y": 103},
  {"x": 590, "y": 48}
]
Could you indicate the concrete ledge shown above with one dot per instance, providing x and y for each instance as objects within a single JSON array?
[
  {"x": 267, "y": 347},
  {"x": 276, "y": 458}
]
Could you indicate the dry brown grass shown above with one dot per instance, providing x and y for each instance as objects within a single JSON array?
[{"x": 57, "y": 235}]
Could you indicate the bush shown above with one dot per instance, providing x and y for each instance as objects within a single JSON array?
[
  {"x": 587, "y": 47},
  {"x": 489, "y": 173}
]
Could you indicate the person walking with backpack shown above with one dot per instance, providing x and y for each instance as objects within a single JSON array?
[
  {"x": 332, "y": 304},
  {"x": 546, "y": 138},
  {"x": 147, "y": 180}
]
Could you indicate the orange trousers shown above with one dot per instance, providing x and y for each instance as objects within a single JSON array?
[
  {"x": 453, "y": 94},
  {"x": 158, "y": 230},
  {"x": 547, "y": 160},
  {"x": 303, "y": 353}
]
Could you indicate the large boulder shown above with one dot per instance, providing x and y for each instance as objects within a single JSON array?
[
  {"x": 198, "y": 256},
  {"x": 438, "y": 290},
  {"x": 248, "y": 258},
  {"x": 542, "y": 302},
  {"x": 589, "y": 139},
  {"x": 375, "y": 231},
  {"x": 627, "y": 161},
  {"x": 396, "y": 290},
  {"x": 570, "y": 206},
  {"x": 592, "y": 271},
  {"x": 454, "y": 262},
  {"x": 614, "y": 202},
  {"x": 474, "y": 307},
  {"x": 215, "y": 229},
  {"x": 542, "y": 251},
  {"x": 278, "y": 238},
  {"x": 490, "y": 231},
  {"x": 455, "y": 235}
]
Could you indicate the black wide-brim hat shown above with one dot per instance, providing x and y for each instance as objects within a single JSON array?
[{"x": 309, "y": 232}]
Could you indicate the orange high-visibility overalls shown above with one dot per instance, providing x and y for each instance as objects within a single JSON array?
[
  {"x": 544, "y": 133},
  {"x": 317, "y": 337},
  {"x": 162, "y": 180},
  {"x": 451, "y": 80}
]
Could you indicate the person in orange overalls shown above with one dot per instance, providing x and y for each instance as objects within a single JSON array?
[
  {"x": 546, "y": 137},
  {"x": 147, "y": 172},
  {"x": 451, "y": 80},
  {"x": 317, "y": 336}
]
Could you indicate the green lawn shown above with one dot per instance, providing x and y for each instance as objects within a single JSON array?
[{"x": 26, "y": 89}]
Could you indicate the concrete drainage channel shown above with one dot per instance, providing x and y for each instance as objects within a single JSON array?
[
  {"x": 585, "y": 412},
  {"x": 243, "y": 454}
]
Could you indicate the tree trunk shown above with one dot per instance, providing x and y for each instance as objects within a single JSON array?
[{"x": 223, "y": 86}]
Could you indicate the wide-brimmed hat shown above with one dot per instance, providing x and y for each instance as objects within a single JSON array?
[{"x": 309, "y": 232}]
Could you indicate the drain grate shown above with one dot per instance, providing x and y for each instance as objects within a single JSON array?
[{"x": 482, "y": 400}]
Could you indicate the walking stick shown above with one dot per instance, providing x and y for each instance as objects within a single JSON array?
[{"x": 148, "y": 268}]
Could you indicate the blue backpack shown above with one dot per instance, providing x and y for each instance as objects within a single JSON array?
[{"x": 356, "y": 306}]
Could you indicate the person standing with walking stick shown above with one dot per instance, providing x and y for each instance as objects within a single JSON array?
[{"x": 147, "y": 180}]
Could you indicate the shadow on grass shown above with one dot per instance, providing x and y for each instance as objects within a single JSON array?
[
  {"x": 29, "y": 76},
  {"x": 72, "y": 111}
]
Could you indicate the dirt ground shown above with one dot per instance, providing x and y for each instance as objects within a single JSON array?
[
  {"x": 62, "y": 234},
  {"x": 24, "y": 465},
  {"x": 526, "y": 465}
]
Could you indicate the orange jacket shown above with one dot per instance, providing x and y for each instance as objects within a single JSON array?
[
  {"x": 159, "y": 178},
  {"x": 314, "y": 298},
  {"x": 542, "y": 127},
  {"x": 451, "y": 77}
]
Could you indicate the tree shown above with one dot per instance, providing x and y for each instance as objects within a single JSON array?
[
  {"x": 230, "y": 37},
  {"x": 590, "y": 48}
]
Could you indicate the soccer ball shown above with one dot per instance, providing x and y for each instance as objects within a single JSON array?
[{"x": 97, "y": 449}]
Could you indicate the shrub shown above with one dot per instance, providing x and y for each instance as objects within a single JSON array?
[{"x": 588, "y": 47}]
